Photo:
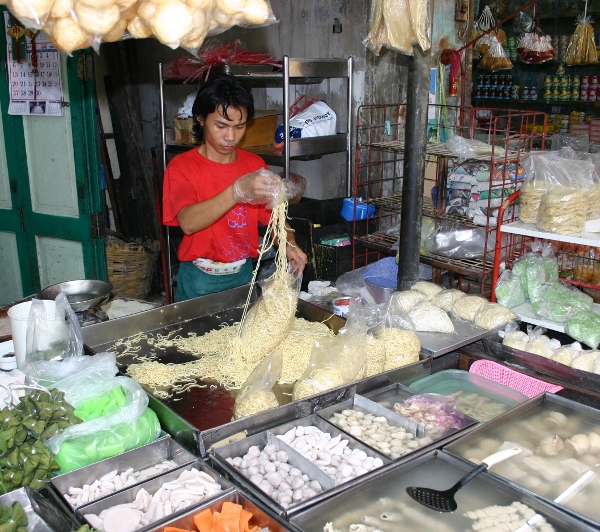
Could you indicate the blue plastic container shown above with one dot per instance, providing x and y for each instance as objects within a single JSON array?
[{"x": 363, "y": 210}]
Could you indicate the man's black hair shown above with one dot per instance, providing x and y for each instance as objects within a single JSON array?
[{"x": 223, "y": 91}]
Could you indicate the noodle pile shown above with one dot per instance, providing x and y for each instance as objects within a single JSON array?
[
  {"x": 253, "y": 402},
  {"x": 319, "y": 380},
  {"x": 529, "y": 202}
]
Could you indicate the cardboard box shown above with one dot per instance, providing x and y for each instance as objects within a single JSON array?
[
  {"x": 261, "y": 129},
  {"x": 183, "y": 131}
]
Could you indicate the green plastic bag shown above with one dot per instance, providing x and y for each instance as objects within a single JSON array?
[
  {"x": 509, "y": 290},
  {"x": 88, "y": 449},
  {"x": 540, "y": 271},
  {"x": 584, "y": 327}
]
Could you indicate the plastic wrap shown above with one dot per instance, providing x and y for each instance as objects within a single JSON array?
[
  {"x": 560, "y": 301},
  {"x": 581, "y": 49},
  {"x": 471, "y": 148},
  {"x": 333, "y": 362},
  {"x": 446, "y": 298},
  {"x": 407, "y": 299},
  {"x": 532, "y": 189},
  {"x": 539, "y": 273},
  {"x": 586, "y": 360},
  {"x": 513, "y": 337},
  {"x": 593, "y": 211},
  {"x": 256, "y": 394},
  {"x": 493, "y": 315},
  {"x": 427, "y": 288},
  {"x": 509, "y": 289},
  {"x": 81, "y": 23},
  {"x": 584, "y": 327},
  {"x": 540, "y": 344},
  {"x": 456, "y": 240},
  {"x": 466, "y": 308},
  {"x": 495, "y": 58},
  {"x": 50, "y": 339},
  {"x": 566, "y": 353},
  {"x": 428, "y": 318},
  {"x": 264, "y": 187}
]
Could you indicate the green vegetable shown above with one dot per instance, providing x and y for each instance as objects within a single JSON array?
[{"x": 584, "y": 326}]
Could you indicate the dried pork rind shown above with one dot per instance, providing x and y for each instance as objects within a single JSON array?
[
  {"x": 466, "y": 308},
  {"x": 429, "y": 318}
]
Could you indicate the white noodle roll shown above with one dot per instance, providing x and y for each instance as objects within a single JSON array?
[
  {"x": 60, "y": 9},
  {"x": 194, "y": 39},
  {"x": 138, "y": 29},
  {"x": 467, "y": 308},
  {"x": 516, "y": 340},
  {"x": 67, "y": 35},
  {"x": 566, "y": 353},
  {"x": 333, "y": 362},
  {"x": 426, "y": 317},
  {"x": 427, "y": 288},
  {"x": 407, "y": 299},
  {"x": 146, "y": 10},
  {"x": 32, "y": 13},
  {"x": 171, "y": 22},
  {"x": 97, "y": 21},
  {"x": 541, "y": 346},
  {"x": 446, "y": 298},
  {"x": 256, "y": 393},
  {"x": 586, "y": 360},
  {"x": 494, "y": 315},
  {"x": 258, "y": 13}
]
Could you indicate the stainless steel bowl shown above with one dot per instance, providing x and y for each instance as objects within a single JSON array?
[
  {"x": 380, "y": 293},
  {"x": 81, "y": 294}
]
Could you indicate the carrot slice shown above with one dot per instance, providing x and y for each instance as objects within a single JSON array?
[
  {"x": 204, "y": 521},
  {"x": 227, "y": 523},
  {"x": 231, "y": 508},
  {"x": 175, "y": 529},
  {"x": 245, "y": 517}
]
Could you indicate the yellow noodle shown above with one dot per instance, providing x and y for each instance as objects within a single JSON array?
[{"x": 253, "y": 402}]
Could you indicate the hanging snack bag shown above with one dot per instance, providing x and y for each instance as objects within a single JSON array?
[
  {"x": 256, "y": 393},
  {"x": 495, "y": 58},
  {"x": 582, "y": 48},
  {"x": 535, "y": 48}
]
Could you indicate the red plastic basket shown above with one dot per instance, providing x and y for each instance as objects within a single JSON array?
[{"x": 513, "y": 379}]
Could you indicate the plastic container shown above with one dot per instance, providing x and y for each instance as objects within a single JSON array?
[
  {"x": 363, "y": 210},
  {"x": 8, "y": 361},
  {"x": 453, "y": 381},
  {"x": 18, "y": 316}
]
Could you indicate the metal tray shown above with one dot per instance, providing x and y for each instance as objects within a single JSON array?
[
  {"x": 517, "y": 358},
  {"x": 240, "y": 448},
  {"x": 398, "y": 392},
  {"x": 141, "y": 458},
  {"x": 42, "y": 515},
  {"x": 359, "y": 496},
  {"x": 152, "y": 486},
  {"x": 192, "y": 417},
  {"x": 365, "y": 405},
  {"x": 508, "y": 419},
  {"x": 260, "y": 516},
  {"x": 437, "y": 344}
]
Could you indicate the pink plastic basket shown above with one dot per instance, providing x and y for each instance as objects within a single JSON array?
[{"x": 513, "y": 379}]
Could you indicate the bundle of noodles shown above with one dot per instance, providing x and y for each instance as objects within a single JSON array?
[{"x": 270, "y": 319}]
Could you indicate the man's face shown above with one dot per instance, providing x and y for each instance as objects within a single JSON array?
[{"x": 222, "y": 135}]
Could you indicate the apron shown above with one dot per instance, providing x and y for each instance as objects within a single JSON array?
[{"x": 193, "y": 282}]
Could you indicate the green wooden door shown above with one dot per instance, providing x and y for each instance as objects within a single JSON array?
[{"x": 50, "y": 190}]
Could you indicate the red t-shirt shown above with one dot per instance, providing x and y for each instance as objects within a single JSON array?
[{"x": 191, "y": 178}]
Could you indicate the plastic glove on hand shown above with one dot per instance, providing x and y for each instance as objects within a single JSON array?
[{"x": 258, "y": 188}]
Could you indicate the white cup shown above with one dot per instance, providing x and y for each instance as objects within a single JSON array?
[{"x": 19, "y": 315}]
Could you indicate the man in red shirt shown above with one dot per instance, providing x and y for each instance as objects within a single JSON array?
[{"x": 217, "y": 194}]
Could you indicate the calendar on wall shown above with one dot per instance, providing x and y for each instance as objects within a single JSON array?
[{"x": 35, "y": 83}]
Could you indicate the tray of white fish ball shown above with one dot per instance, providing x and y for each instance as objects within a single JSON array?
[
  {"x": 149, "y": 504},
  {"x": 294, "y": 465},
  {"x": 96, "y": 481},
  {"x": 378, "y": 427},
  {"x": 434, "y": 412},
  {"x": 560, "y": 442},
  {"x": 484, "y": 504},
  {"x": 478, "y": 397}
]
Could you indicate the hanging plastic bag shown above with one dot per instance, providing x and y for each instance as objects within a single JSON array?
[
  {"x": 509, "y": 289},
  {"x": 333, "y": 362},
  {"x": 581, "y": 49},
  {"x": 534, "y": 48},
  {"x": 495, "y": 58},
  {"x": 456, "y": 240},
  {"x": 256, "y": 394},
  {"x": 317, "y": 120},
  {"x": 51, "y": 337}
]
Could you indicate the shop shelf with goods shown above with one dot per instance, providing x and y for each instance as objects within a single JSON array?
[
  {"x": 379, "y": 155},
  {"x": 299, "y": 73},
  {"x": 577, "y": 255}
]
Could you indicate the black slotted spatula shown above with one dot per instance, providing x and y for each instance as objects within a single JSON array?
[{"x": 443, "y": 500}]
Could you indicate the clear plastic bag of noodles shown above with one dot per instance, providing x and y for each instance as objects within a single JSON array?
[
  {"x": 532, "y": 188},
  {"x": 513, "y": 337},
  {"x": 495, "y": 58},
  {"x": 593, "y": 211},
  {"x": 540, "y": 344},
  {"x": 377, "y": 36},
  {"x": 270, "y": 319},
  {"x": 509, "y": 289},
  {"x": 581, "y": 49},
  {"x": 564, "y": 204},
  {"x": 256, "y": 394},
  {"x": 333, "y": 362}
]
